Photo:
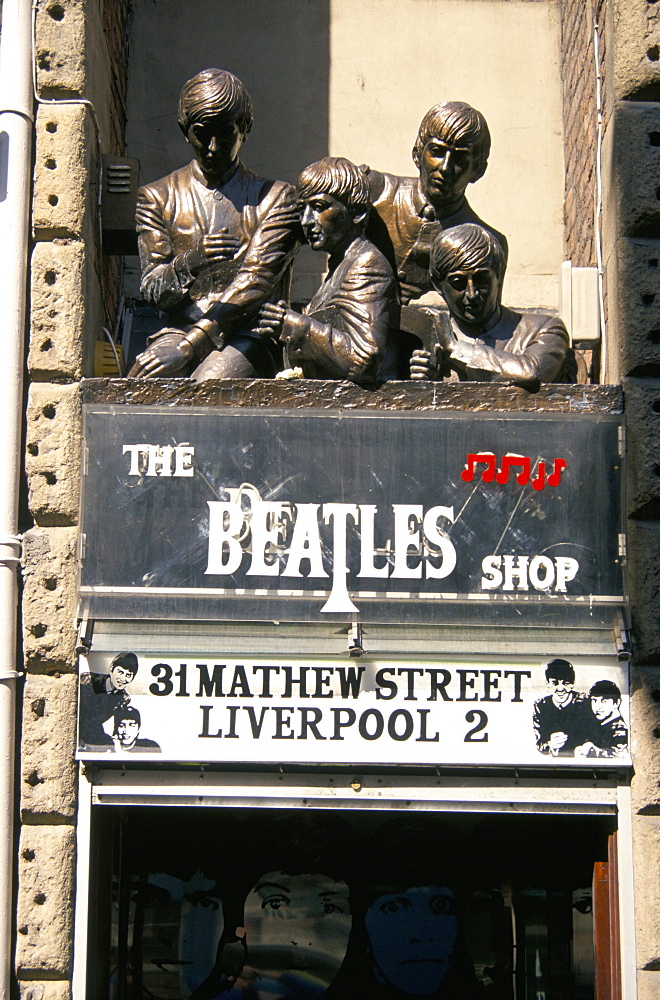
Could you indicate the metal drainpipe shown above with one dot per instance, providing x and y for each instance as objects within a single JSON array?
[{"x": 16, "y": 125}]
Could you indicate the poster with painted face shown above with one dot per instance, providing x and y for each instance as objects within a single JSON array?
[
  {"x": 263, "y": 904},
  {"x": 295, "y": 934},
  {"x": 412, "y": 935}
]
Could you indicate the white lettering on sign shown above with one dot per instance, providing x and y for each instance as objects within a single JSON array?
[
  {"x": 420, "y": 549},
  {"x": 463, "y": 710},
  {"x": 509, "y": 573},
  {"x": 160, "y": 459}
]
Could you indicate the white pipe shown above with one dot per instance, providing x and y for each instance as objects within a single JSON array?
[{"x": 16, "y": 127}]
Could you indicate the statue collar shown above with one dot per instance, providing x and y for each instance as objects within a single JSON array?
[
  {"x": 477, "y": 332},
  {"x": 425, "y": 210},
  {"x": 224, "y": 179}
]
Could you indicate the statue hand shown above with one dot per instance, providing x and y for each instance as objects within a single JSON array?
[
  {"x": 406, "y": 290},
  {"x": 212, "y": 247},
  {"x": 168, "y": 355},
  {"x": 423, "y": 367},
  {"x": 271, "y": 318}
]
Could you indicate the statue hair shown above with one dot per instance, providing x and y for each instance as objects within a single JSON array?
[
  {"x": 212, "y": 93},
  {"x": 460, "y": 124},
  {"x": 338, "y": 177},
  {"x": 465, "y": 247}
]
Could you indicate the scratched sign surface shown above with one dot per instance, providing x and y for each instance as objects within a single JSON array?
[{"x": 278, "y": 515}]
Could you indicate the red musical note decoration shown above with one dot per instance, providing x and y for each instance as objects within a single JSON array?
[
  {"x": 555, "y": 476},
  {"x": 510, "y": 463},
  {"x": 480, "y": 458},
  {"x": 515, "y": 461},
  {"x": 538, "y": 482}
]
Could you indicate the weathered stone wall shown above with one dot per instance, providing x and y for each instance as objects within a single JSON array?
[
  {"x": 632, "y": 256},
  {"x": 81, "y": 53}
]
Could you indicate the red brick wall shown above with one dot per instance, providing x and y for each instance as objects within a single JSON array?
[
  {"x": 115, "y": 18},
  {"x": 579, "y": 98}
]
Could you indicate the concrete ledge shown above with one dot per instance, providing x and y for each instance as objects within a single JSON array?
[
  {"x": 633, "y": 141},
  {"x": 636, "y": 65},
  {"x": 300, "y": 393},
  {"x": 60, "y": 48},
  {"x": 62, "y": 171},
  {"x": 49, "y": 598},
  {"x": 45, "y": 990},
  {"x": 48, "y": 768}
]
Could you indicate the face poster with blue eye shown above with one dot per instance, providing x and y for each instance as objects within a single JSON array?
[{"x": 412, "y": 936}]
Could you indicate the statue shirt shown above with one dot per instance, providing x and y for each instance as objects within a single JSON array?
[
  {"x": 345, "y": 332},
  {"x": 399, "y": 226},
  {"x": 175, "y": 212}
]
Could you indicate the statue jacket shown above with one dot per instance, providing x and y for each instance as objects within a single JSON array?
[
  {"x": 175, "y": 212},
  {"x": 345, "y": 332},
  {"x": 525, "y": 348},
  {"x": 403, "y": 226}
]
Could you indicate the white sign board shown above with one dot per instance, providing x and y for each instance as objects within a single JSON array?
[{"x": 565, "y": 711}]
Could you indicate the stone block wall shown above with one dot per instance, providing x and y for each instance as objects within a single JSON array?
[
  {"x": 81, "y": 54},
  {"x": 632, "y": 255}
]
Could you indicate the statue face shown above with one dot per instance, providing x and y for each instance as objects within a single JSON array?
[
  {"x": 412, "y": 936},
  {"x": 297, "y": 926},
  {"x": 327, "y": 223},
  {"x": 472, "y": 294},
  {"x": 215, "y": 142},
  {"x": 445, "y": 170}
]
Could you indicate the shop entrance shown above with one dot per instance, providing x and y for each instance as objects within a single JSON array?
[{"x": 386, "y": 904}]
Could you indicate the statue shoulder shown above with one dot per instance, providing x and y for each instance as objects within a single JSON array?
[
  {"x": 382, "y": 186},
  {"x": 533, "y": 322},
  {"x": 282, "y": 191},
  {"x": 367, "y": 255},
  {"x": 160, "y": 190},
  {"x": 265, "y": 192}
]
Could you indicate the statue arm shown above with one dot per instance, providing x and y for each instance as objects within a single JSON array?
[
  {"x": 351, "y": 342},
  {"x": 271, "y": 249},
  {"x": 166, "y": 277},
  {"x": 538, "y": 359}
]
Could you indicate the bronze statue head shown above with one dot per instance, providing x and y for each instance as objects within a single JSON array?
[
  {"x": 333, "y": 201},
  {"x": 215, "y": 115},
  {"x": 215, "y": 93},
  {"x": 450, "y": 152},
  {"x": 336, "y": 176},
  {"x": 467, "y": 268}
]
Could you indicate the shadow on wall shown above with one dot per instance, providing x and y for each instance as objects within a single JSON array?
[
  {"x": 281, "y": 52},
  {"x": 285, "y": 69}
]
